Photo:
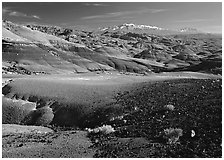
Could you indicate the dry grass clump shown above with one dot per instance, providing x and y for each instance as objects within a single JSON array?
[
  {"x": 105, "y": 129},
  {"x": 170, "y": 107},
  {"x": 173, "y": 135}
]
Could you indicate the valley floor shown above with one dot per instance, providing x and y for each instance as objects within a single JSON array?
[{"x": 139, "y": 100}]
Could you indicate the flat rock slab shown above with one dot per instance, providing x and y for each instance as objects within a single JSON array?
[
  {"x": 16, "y": 129},
  {"x": 41, "y": 142}
]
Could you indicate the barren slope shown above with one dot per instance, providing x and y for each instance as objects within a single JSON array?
[{"x": 48, "y": 49}]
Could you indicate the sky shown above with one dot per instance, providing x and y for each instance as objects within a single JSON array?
[{"x": 204, "y": 16}]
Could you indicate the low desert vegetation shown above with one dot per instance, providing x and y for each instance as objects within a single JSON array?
[
  {"x": 173, "y": 134},
  {"x": 169, "y": 107},
  {"x": 105, "y": 129}
]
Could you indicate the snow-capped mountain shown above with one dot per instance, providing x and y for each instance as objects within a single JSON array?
[
  {"x": 150, "y": 29},
  {"x": 131, "y": 26}
]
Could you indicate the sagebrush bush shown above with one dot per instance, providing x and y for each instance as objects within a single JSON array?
[
  {"x": 170, "y": 107},
  {"x": 105, "y": 129},
  {"x": 172, "y": 134}
]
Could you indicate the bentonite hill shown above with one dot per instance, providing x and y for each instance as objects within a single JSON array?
[
  {"x": 35, "y": 49},
  {"x": 122, "y": 91}
]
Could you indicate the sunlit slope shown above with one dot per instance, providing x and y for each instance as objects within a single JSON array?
[
  {"x": 8, "y": 35},
  {"x": 42, "y": 50},
  {"x": 36, "y": 51}
]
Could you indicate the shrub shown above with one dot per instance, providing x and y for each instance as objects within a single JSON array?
[
  {"x": 105, "y": 129},
  {"x": 173, "y": 134},
  {"x": 169, "y": 107}
]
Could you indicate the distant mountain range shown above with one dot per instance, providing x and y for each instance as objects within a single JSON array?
[
  {"x": 126, "y": 48},
  {"x": 131, "y": 26},
  {"x": 190, "y": 30},
  {"x": 126, "y": 27}
]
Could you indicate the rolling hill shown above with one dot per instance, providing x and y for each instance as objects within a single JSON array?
[{"x": 38, "y": 49}]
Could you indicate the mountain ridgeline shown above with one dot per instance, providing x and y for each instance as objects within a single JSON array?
[{"x": 41, "y": 49}]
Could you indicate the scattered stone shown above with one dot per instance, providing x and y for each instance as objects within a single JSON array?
[
  {"x": 96, "y": 141},
  {"x": 192, "y": 133},
  {"x": 20, "y": 145}
]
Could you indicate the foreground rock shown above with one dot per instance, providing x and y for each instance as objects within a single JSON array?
[{"x": 8, "y": 129}]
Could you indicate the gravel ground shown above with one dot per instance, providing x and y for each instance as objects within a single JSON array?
[
  {"x": 195, "y": 109},
  {"x": 60, "y": 144}
]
